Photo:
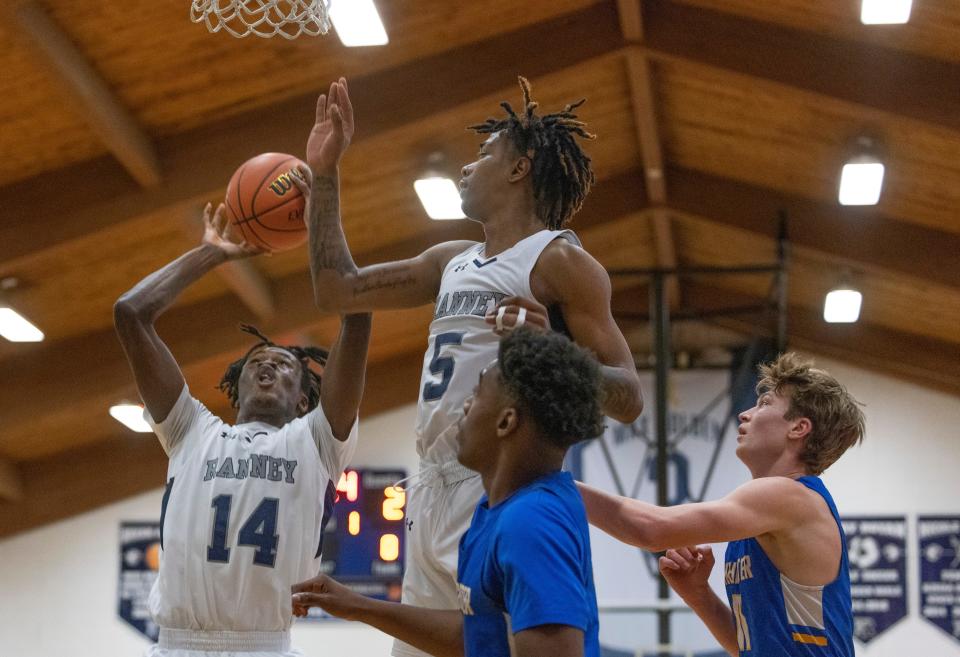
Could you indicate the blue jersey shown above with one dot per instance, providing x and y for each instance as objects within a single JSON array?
[
  {"x": 775, "y": 616},
  {"x": 525, "y": 563}
]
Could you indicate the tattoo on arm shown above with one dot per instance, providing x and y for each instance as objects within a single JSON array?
[
  {"x": 328, "y": 245},
  {"x": 385, "y": 281},
  {"x": 619, "y": 393}
]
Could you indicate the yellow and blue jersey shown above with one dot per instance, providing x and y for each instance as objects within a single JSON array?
[{"x": 777, "y": 616}]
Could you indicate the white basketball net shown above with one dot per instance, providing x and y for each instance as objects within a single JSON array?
[{"x": 263, "y": 18}]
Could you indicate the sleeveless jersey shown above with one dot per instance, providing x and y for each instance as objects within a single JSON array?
[
  {"x": 242, "y": 516},
  {"x": 775, "y": 616},
  {"x": 461, "y": 343}
]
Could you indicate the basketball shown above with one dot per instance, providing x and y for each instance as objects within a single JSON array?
[{"x": 263, "y": 204}]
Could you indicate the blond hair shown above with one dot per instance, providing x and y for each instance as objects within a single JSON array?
[{"x": 814, "y": 394}]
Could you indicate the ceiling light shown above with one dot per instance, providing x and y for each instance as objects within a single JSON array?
[
  {"x": 440, "y": 197},
  {"x": 16, "y": 328},
  {"x": 861, "y": 180},
  {"x": 358, "y": 23},
  {"x": 131, "y": 416},
  {"x": 885, "y": 12},
  {"x": 842, "y": 305}
]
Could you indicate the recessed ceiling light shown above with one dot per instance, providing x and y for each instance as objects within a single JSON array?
[
  {"x": 358, "y": 23},
  {"x": 16, "y": 328},
  {"x": 885, "y": 12},
  {"x": 440, "y": 197},
  {"x": 131, "y": 416},
  {"x": 842, "y": 305}
]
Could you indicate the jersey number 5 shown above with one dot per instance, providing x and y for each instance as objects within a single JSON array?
[
  {"x": 259, "y": 531},
  {"x": 441, "y": 365}
]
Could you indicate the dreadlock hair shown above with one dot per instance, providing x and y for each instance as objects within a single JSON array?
[
  {"x": 309, "y": 379},
  {"x": 561, "y": 174}
]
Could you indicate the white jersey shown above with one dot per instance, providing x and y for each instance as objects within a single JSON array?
[
  {"x": 461, "y": 343},
  {"x": 242, "y": 516}
]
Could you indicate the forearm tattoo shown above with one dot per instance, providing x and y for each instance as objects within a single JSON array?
[
  {"x": 384, "y": 281},
  {"x": 328, "y": 245},
  {"x": 619, "y": 393}
]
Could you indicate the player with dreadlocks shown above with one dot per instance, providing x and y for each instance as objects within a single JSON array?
[
  {"x": 243, "y": 512},
  {"x": 528, "y": 181}
]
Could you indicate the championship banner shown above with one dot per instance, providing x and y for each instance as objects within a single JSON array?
[
  {"x": 940, "y": 571},
  {"x": 139, "y": 562},
  {"x": 876, "y": 550}
]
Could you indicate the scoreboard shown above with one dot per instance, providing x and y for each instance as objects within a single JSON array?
[{"x": 363, "y": 542}]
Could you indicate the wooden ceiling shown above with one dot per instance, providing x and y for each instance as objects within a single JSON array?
[{"x": 120, "y": 120}]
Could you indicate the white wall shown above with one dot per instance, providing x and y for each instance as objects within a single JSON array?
[
  {"x": 58, "y": 584},
  {"x": 908, "y": 464}
]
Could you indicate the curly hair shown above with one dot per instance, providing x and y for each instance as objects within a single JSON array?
[
  {"x": 562, "y": 175},
  {"x": 555, "y": 381},
  {"x": 309, "y": 379},
  {"x": 836, "y": 417}
]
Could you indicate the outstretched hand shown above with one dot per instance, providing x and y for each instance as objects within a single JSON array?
[
  {"x": 216, "y": 234},
  {"x": 332, "y": 131},
  {"x": 328, "y": 594}
]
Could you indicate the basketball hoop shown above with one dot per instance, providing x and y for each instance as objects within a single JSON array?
[{"x": 263, "y": 18}]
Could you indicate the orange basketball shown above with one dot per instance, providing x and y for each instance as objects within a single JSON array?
[{"x": 263, "y": 204}]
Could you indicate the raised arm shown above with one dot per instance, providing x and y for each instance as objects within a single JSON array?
[
  {"x": 339, "y": 285},
  {"x": 568, "y": 275},
  {"x": 155, "y": 370},
  {"x": 435, "y": 631},
  {"x": 760, "y": 506}
]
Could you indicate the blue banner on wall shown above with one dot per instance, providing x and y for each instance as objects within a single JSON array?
[
  {"x": 139, "y": 562},
  {"x": 876, "y": 549},
  {"x": 940, "y": 571}
]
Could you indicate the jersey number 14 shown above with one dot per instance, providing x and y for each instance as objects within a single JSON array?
[{"x": 258, "y": 531}]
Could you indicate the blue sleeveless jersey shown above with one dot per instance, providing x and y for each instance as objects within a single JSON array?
[{"x": 776, "y": 617}]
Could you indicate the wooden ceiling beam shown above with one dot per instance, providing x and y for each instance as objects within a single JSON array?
[
  {"x": 858, "y": 236},
  {"x": 91, "y": 196},
  {"x": 889, "y": 80},
  {"x": 640, "y": 81},
  {"x": 61, "y": 485},
  {"x": 110, "y": 120},
  {"x": 11, "y": 483}
]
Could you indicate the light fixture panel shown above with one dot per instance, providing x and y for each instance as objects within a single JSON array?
[
  {"x": 842, "y": 306},
  {"x": 885, "y": 12},
  {"x": 440, "y": 198},
  {"x": 16, "y": 328},
  {"x": 358, "y": 23},
  {"x": 130, "y": 416},
  {"x": 861, "y": 183}
]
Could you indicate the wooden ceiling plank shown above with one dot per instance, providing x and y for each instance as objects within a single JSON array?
[
  {"x": 631, "y": 20},
  {"x": 889, "y": 80},
  {"x": 112, "y": 122},
  {"x": 60, "y": 486},
  {"x": 926, "y": 361},
  {"x": 859, "y": 236},
  {"x": 642, "y": 101},
  {"x": 11, "y": 482},
  {"x": 90, "y": 197}
]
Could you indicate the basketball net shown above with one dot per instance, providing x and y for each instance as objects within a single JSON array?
[{"x": 263, "y": 18}]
